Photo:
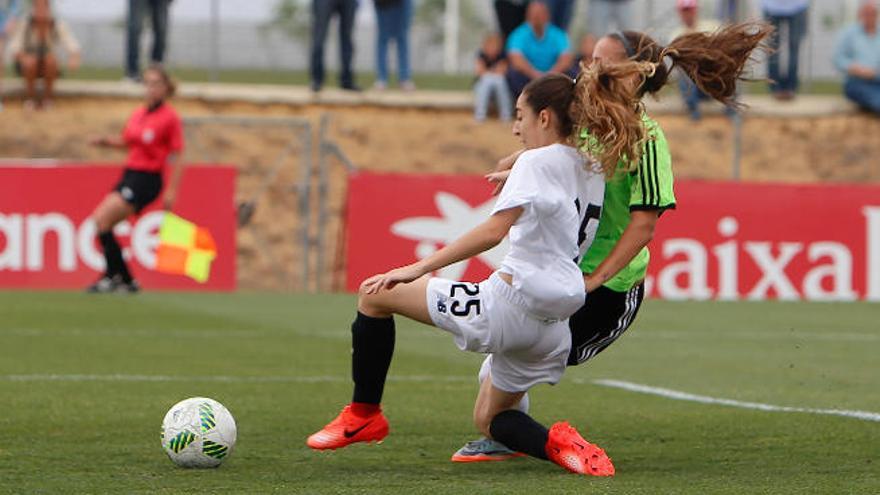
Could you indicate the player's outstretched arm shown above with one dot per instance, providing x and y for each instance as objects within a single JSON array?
[{"x": 479, "y": 239}]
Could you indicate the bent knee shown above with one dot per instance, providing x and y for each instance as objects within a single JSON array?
[{"x": 371, "y": 304}]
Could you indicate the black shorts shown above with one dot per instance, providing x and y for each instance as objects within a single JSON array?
[
  {"x": 602, "y": 320},
  {"x": 139, "y": 188}
]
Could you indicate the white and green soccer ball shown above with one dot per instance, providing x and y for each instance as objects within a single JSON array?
[{"x": 198, "y": 433}]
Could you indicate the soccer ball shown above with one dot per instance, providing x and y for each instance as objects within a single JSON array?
[{"x": 198, "y": 433}]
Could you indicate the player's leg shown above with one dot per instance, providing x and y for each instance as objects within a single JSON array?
[
  {"x": 110, "y": 211},
  {"x": 486, "y": 449},
  {"x": 372, "y": 336},
  {"x": 561, "y": 444}
]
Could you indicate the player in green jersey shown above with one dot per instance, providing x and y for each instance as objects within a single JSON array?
[{"x": 636, "y": 194}]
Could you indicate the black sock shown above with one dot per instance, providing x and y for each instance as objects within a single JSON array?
[
  {"x": 372, "y": 346},
  {"x": 113, "y": 256},
  {"x": 518, "y": 431}
]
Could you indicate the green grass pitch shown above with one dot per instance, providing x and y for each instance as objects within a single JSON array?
[{"x": 85, "y": 382}]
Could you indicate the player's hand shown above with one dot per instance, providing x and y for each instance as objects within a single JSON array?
[
  {"x": 387, "y": 281},
  {"x": 100, "y": 142},
  {"x": 591, "y": 283},
  {"x": 507, "y": 162},
  {"x": 498, "y": 178}
]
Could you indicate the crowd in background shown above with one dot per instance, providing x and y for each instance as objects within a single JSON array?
[
  {"x": 536, "y": 42},
  {"x": 532, "y": 39}
]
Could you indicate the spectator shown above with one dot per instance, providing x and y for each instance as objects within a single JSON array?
[
  {"x": 510, "y": 14},
  {"x": 791, "y": 14},
  {"x": 491, "y": 67},
  {"x": 605, "y": 16},
  {"x": 561, "y": 12},
  {"x": 159, "y": 19},
  {"x": 585, "y": 54},
  {"x": 394, "y": 17},
  {"x": 730, "y": 11},
  {"x": 9, "y": 12},
  {"x": 858, "y": 56},
  {"x": 688, "y": 13},
  {"x": 536, "y": 48},
  {"x": 35, "y": 48},
  {"x": 322, "y": 12}
]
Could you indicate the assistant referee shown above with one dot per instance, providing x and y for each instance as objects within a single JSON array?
[{"x": 153, "y": 137}]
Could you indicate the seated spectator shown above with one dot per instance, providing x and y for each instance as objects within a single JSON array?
[
  {"x": 858, "y": 56},
  {"x": 688, "y": 13},
  {"x": 606, "y": 16},
  {"x": 491, "y": 66},
  {"x": 35, "y": 49},
  {"x": 535, "y": 48},
  {"x": 584, "y": 55}
]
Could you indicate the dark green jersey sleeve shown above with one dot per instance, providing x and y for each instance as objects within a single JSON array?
[{"x": 651, "y": 185}]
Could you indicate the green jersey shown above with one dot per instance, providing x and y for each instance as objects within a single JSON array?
[{"x": 647, "y": 187}]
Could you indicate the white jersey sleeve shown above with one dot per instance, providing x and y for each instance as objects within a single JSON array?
[{"x": 521, "y": 187}]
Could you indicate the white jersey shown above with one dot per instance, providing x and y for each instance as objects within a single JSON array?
[{"x": 562, "y": 202}]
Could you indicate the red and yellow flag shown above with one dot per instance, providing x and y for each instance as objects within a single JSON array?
[{"x": 185, "y": 249}]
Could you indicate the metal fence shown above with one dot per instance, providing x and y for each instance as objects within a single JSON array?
[{"x": 225, "y": 34}]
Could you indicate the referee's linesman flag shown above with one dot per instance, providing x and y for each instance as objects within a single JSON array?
[{"x": 185, "y": 249}]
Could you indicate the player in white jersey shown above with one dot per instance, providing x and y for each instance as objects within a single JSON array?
[{"x": 518, "y": 315}]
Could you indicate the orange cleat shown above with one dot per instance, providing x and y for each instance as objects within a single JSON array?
[
  {"x": 349, "y": 428},
  {"x": 566, "y": 447}
]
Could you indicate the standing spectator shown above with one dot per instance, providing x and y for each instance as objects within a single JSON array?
[
  {"x": 858, "y": 56},
  {"x": 792, "y": 15},
  {"x": 9, "y": 12},
  {"x": 510, "y": 14},
  {"x": 394, "y": 18},
  {"x": 605, "y": 16},
  {"x": 561, "y": 12},
  {"x": 322, "y": 12},
  {"x": 730, "y": 11},
  {"x": 159, "y": 20},
  {"x": 536, "y": 48},
  {"x": 491, "y": 66},
  {"x": 585, "y": 54},
  {"x": 689, "y": 14},
  {"x": 35, "y": 48}
]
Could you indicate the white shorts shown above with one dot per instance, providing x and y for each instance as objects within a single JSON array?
[{"x": 486, "y": 318}]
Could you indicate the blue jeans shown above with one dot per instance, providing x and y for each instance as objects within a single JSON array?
[
  {"x": 487, "y": 85},
  {"x": 863, "y": 92},
  {"x": 394, "y": 25},
  {"x": 322, "y": 12},
  {"x": 561, "y": 12},
  {"x": 159, "y": 20},
  {"x": 691, "y": 95},
  {"x": 796, "y": 29}
]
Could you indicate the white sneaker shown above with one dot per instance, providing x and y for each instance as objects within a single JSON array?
[{"x": 380, "y": 85}]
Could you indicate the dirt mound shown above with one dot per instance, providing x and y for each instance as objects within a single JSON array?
[{"x": 836, "y": 148}]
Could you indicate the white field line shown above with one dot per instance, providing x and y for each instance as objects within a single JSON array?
[
  {"x": 629, "y": 386},
  {"x": 703, "y": 399}
]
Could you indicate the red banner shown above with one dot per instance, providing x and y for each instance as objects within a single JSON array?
[
  {"x": 725, "y": 241},
  {"x": 47, "y": 240}
]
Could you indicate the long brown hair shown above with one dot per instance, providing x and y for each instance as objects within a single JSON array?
[
  {"x": 713, "y": 60},
  {"x": 608, "y": 106}
]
